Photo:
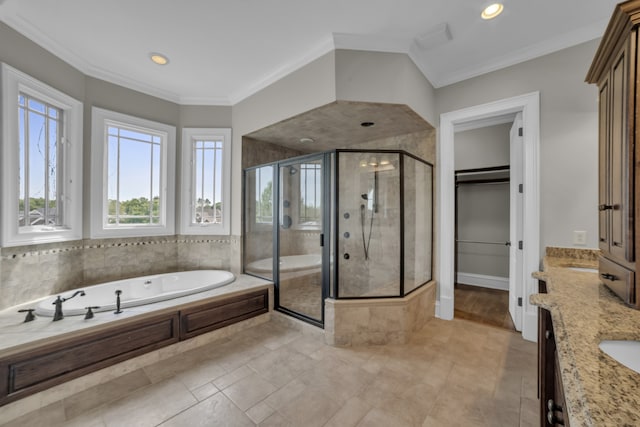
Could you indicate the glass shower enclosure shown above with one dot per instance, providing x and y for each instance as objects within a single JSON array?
[{"x": 343, "y": 224}]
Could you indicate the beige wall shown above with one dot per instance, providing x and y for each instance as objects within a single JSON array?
[
  {"x": 568, "y": 134},
  {"x": 23, "y": 54},
  {"x": 483, "y": 147},
  {"x": 306, "y": 88},
  {"x": 384, "y": 77}
]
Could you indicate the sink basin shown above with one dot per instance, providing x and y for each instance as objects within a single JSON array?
[
  {"x": 625, "y": 352},
  {"x": 584, "y": 269}
]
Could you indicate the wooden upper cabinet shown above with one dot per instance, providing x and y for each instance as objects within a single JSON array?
[
  {"x": 613, "y": 69},
  {"x": 620, "y": 198},
  {"x": 604, "y": 240}
]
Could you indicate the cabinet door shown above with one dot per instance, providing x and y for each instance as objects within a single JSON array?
[
  {"x": 619, "y": 152},
  {"x": 604, "y": 240}
]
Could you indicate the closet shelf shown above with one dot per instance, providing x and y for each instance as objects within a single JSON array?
[{"x": 484, "y": 243}]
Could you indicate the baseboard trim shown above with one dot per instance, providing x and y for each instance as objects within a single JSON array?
[
  {"x": 491, "y": 282},
  {"x": 444, "y": 308}
]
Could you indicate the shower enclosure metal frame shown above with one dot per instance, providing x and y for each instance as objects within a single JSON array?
[
  {"x": 325, "y": 230},
  {"x": 336, "y": 272},
  {"x": 330, "y": 230}
]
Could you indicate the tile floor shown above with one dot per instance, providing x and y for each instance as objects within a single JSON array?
[
  {"x": 483, "y": 305},
  {"x": 455, "y": 373}
]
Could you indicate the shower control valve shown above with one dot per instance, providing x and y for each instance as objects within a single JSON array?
[{"x": 346, "y": 256}]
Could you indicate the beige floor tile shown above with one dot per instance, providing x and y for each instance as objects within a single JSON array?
[
  {"x": 153, "y": 405},
  {"x": 350, "y": 414},
  {"x": 232, "y": 377},
  {"x": 529, "y": 387},
  {"x": 201, "y": 374},
  {"x": 276, "y": 420},
  {"x": 204, "y": 391},
  {"x": 104, "y": 393},
  {"x": 529, "y": 412},
  {"x": 306, "y": 345},
  {"x": 379, "y": 418},
  {"x": 281, "y": 366},
  {"x": 249, "y": 391},
  {"x": 88, "y": 419},
  {"x": 339, "y": 384},
  {"x": 309, "y": 409},
  {"x": 286, "y": 394},
  {"x": 49, "y": 415},
  {"x": 217, "y": 410},
  {"x": 459, "y": 406},
  {"x": 259, "y": 412}
]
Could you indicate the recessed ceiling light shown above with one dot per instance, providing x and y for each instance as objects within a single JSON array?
[
  {"x": 492, "y": 11},
  {"x": 367, "y": 124},
  {"x": 159, "y": 58},
  {"x": 307, "y": 140}
]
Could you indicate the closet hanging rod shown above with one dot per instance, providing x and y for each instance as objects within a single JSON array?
[
  {"x": 485, "y": 243},
  {"x": 484, "y": 181}
]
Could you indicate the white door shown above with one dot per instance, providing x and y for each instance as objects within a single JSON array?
[{"x": 516, "y": 270}]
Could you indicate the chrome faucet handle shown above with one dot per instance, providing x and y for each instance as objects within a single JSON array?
[
  {"x": 118, "y": 310},
  {"x": 30, "y": 316},
  {"x": 89, "y": 314}
]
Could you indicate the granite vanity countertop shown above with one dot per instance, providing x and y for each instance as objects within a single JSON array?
[{"x": 599, "y": 391}]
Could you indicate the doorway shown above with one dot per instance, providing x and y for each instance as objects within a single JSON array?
[
  {"x": 483, "y": 218},
  {"x": 528, "y": 260}
]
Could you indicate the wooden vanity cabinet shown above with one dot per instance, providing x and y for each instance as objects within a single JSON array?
[
  {"x": 550, "y": 389},
  {"x": 614, "y": 70}
]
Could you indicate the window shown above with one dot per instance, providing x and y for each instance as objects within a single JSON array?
[
  {"x": 310, "y": 209},
  {"x": 206, "y": 163},
  {"x": 264, "y": 195},
  {"x": 41, "y": 162},
  {"x": 132, "y": 176}
]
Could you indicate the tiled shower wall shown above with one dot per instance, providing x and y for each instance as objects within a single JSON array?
[{"x": 30, "y": 272}]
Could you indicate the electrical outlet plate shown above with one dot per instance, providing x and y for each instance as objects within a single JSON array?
[{"x": 579, "y": 237}]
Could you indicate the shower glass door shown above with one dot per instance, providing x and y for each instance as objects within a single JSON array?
[
  {"x": 369, "y": 225},
  {"x": 300, "y": 235}
]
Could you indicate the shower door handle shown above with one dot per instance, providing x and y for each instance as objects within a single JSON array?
[{"x": 321, "y": 239}]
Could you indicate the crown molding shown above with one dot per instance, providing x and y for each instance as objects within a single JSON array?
[
  {"x": 322, "y": 48},
  {"x": 546, "y": 47}
]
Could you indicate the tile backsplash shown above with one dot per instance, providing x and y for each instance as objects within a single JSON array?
[{"x": 30, "y": 272}]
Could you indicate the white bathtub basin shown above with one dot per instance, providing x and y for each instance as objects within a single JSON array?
[
  {"x": 137, "y": 291},
  {"x": 287, "y": 263},
  {"x": 625, "y": 352}
]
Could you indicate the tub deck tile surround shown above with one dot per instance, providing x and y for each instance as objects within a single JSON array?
[
  {"x": 598, "y": 390},
  {"x": 453, "y": 373}
]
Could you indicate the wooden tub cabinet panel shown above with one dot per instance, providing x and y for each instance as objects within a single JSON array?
[
  {"x": 217, "y": 314},
  {"x": 47, "y": 365}
]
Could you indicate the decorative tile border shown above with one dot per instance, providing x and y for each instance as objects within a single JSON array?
[{"x": 14, "y": 253}]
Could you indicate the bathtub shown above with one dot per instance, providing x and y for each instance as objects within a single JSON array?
[
  {"x": 137, "y": 291},
  {"x": 288, "y": 263}
]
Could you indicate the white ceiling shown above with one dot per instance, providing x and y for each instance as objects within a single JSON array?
[{"x": 222, "y": 51}]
